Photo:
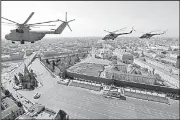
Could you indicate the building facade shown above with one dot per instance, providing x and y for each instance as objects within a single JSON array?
[
  {"x": 10, "y": 110},
  {"x": 173, "y": 80}
]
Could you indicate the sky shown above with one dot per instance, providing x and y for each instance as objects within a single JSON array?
[{"x": 92, "y": 17}]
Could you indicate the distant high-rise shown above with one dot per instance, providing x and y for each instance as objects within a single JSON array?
[{"x": 177, "y": 62}]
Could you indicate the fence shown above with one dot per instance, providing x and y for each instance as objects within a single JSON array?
[
  {"x": 86, "y": 85},
  {"x": 146, "y": 96}
]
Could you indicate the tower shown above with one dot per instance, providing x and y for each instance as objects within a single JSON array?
[
  {"x": 26, "y": 71},
  {"x": 177, "y": 62}
]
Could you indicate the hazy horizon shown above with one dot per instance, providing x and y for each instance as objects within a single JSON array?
[{"x": 92, "y": 17}]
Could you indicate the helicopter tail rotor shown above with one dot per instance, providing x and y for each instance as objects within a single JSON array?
[
  {"x": 67, "y": 22},
  {"x": 63, "y": 25},
  {"x": 165, "y": 32}
]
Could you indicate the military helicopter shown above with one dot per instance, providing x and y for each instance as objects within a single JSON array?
[
  {"x": 149, "y": 35},
  {"x": 113, "y": 35},
  {"x": 23, "y": 32}
]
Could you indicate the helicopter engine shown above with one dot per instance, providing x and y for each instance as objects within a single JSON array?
[{"x": 19, "y": 31}]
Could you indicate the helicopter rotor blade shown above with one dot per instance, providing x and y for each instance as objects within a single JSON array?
[
  {"x": 66, "y": 17},
  {"x": 44, "y": 22},
  {"x": 107, "y": 31},
  {"x": 71, "y": 20},
  {"x": 9, "y": 20},
  {"x": 8, "y": 23},
  {"x": 119, "y": 29},
  {"x": 42, "y": 25},
  {"x": 153, "y": 31},
  {"x": 69, "y": 27},
  {"x": 61, "y": 20},
  {"x": 29, "y": 18},
  {"x": 34, "y": 27}
]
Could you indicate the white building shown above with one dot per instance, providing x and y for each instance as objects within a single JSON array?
[{"x": 173, "y": 80}]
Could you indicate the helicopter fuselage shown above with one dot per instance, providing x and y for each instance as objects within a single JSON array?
[
  {"x": 148, "y": 36},
  {"x": 24, "y": 36},
  {"x": 110, "y": 36}
]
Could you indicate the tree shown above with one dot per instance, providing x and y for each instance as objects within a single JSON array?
[
  {"x": 54, "y": 63},
  {"x": 62, "y": 114},
  {"x": 19, "y": 104},
  {"x": 47, "y": 61},
  {"x": 145, "y": 69},
  {"x": 6, "y": 92},
  {"x": 157, "y": 77},
  {"x": 16, "y": 81},
  {"x": 53, "y": 67}
]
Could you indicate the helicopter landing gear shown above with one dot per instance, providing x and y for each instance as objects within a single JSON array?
[
  {"x": 13, "y": 42},
  {"x": 32, "y": 42},
  {"x": 22, "y": 42}
]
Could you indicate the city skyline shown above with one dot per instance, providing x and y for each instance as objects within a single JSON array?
[{"x": 92, "y": 17}]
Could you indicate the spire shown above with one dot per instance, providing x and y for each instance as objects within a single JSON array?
[{"x": 26, "y": 71}]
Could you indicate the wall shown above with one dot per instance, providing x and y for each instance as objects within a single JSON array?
[
  {"x": 124, "y": 83},
  {"x": 146, "y": 97},
  {"x": 131, "y": 78}
]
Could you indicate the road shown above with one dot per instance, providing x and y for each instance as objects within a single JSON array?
[{"x": 81, "y": 103}]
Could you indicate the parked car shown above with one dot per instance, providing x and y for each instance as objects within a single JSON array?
[
  {"x": 27, "y": 101},
  {"x": 37, "y": 95}
]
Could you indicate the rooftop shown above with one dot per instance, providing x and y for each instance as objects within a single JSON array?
[
  {"x": 10, "y": 106},
  {"x": 87, "y": 69},
  {"x": 96, "y": 61},
  {"x": 36, "y": 109}
]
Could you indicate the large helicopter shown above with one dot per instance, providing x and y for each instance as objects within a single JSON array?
[
  {"x": 113, "y": 35},
  {"x": 23, "y": 32},
  {"x": 149, "y": 34}
]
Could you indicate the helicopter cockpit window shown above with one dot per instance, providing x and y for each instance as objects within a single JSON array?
[{"x": 19, "y": 31}]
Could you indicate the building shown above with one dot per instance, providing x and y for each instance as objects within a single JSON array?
[
  {"x": 28, "y": 80},
  {"x": 171, "y": 79},
  {"x": 164, "y": 66},
  {"x": 148, "y": 80},
  {"x": 177, "y": 62},
  {"x": 17, "y": 56},
  {"x": 119, "y": 66},
  {"x": 164, "y": 48},
  {"x": 38, "y": 111},
  {"x": 10, "y": 110},
  {"x": 127, "y": 58},
  {"x": 103, "y": 53},
  {"x": 124, "y": 56},
  {"x": 170, "y": 60}
]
